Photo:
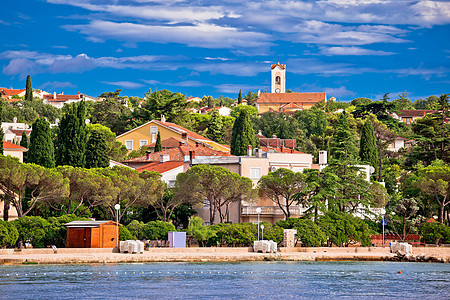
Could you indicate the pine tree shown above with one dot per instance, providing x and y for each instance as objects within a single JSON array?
[
  {"x": 240, "y": 97},
  {"x": 97, "y": 151},
  {"x": 1, "y": 129},
  {"x": 41, "y": 150},
  {"x": 368, "y": 149},
  {"x": 72, "y": 137},
  {"x": 344, "y": 142},
  {"x": 29, "y": 90},
  {"x": 24, "y": 143},
  {"x": 215, "y": 128},
  {"x": 158, "y": 146},
  {"x": 242, "y": 134}
]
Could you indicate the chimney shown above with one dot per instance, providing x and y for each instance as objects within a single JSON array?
[
  {"x": 249, "y": 150},
  {"x": 147, "y": 154},
  {"x": 257, "y": 152},
  {"x": 184, "y": 136},
  {"x": 54, "y": 95},
  {"x": 260, "y": 132},
  {"x": 191, "y": 155},
  {"x": 163, "y": 119},
  {"x": 180, "y": 143},
  {"x": 197, "y": 144},
  {"x": 322, "y": 157},
  {"x": 164, "y": 158},
  {"x": 274, "y": 136},
  {"x": 62, "y": 93},
  {"x": 282, "y": 149}
]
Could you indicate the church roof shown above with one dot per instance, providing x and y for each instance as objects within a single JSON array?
[
  {"x": 285, "y": 98},
  {"x": 282, "y": 66}
]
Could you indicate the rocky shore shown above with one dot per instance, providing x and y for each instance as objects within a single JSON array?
[{"x": 110, "y": 255}]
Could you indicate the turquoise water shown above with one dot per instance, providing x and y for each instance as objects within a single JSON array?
[{"x": 250, "y": 280}]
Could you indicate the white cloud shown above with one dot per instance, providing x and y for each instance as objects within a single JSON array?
[
  {"x": 52, "y": 85},
  {"x": 236, "y": 69},
  {"x": 230, "y": 88},
  {"x": 352, "y": 51},
  {"x": 124, "y": 84},
  {"x": 338, "y": 92},
  {"x": 200, "y": 35}
]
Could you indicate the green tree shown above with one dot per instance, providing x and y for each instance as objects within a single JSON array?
[
  {"x": 436, "y": 233},
  {"x": 112, "y": 112},
  {"x": 158, "y": 230},
  {"x": 402, "y": 102},
  {"x": 368, "y": 152},
  {"x": 239, "y": 100},
  {"x": 158, "y": 146},
  {"x": 28, "y": 90},
  {"x": 116, "y": 150},
  {"x": 72, "y": 136},
  {"x": 308, "y": 232},
  {"x": 199, "y": 232},
  {"x": 242, "y": 135},
  {"x": 33, "y": 230},
  {"x": 24, "y": 143},
  {"x": 403, "y": 215},
  {"x": 96, "y": 151},
  {"x": 215, "y": 185},
  {"x": 360, "y": 101},
  {"x": 215, "y": 128},
  {"x": 41, "y": 149},
  {"x": 434, "y": 180},
  {"x": 8, "y": 234},
  {"x": 281, "y": 186}
]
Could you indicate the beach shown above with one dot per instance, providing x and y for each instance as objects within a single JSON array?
[{"x": 212, "y": 254}]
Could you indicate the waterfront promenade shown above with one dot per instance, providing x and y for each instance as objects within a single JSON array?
[{"x": 110, "y": 255}]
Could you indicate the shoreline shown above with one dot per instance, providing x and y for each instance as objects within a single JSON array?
[{"x": 238, "y": 254}]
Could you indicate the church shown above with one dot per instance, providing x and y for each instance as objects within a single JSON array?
[{"x": 280, "y": 101}]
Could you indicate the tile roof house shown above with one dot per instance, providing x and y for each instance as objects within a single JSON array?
[
  {"x": 170, "y": 142},
  {"x": 288, "y": 102},
  {"x": 13, "y": 150},
  {"x": 223, "y": 110},
  {"x": 13, "y": 131},
  {"x": 408, "y": 116},
  {"x": 58, "y": 100},
  {"x": 12, "y": 94},
  {"x": 146, "y": 134},
  {"x": 168, "y": 170}
]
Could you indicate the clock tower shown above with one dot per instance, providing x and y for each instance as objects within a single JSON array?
[{"x": 278, "y": 80}]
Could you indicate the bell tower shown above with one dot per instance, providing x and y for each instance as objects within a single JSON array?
[{"x": 278, "y": 80}]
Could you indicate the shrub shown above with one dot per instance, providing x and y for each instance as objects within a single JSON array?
[
  {"x": 8, "y": 234},
  {"x": 158, "y": 230},
  {"x": 32, "y": 229},
  {"x": 136, "y": 228},
  {"x": 125, "y": 234},
  {"x": 435, "y": 233},
  {"x": 235, "y": 235},
  {"x": 56, "y": 233},
  {"x": 308, "y": 232},
  {"x": 199, "y": 232}
]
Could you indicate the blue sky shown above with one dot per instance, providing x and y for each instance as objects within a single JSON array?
[{"x": 347, "y": 48}]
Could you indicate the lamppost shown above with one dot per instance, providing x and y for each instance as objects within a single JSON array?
[
  {"x": 117, "y": 207},
  {"x": 262, "y": 234},
  {"x": 258, "y": 211}
]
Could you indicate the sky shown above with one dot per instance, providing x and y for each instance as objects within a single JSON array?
[{"x": 346, "y": 48}]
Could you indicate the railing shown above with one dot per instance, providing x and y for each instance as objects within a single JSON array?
[{"x": 272, "y": 210}]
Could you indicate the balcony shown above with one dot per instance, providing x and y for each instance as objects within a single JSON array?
[{"x": 271, "y": 210}]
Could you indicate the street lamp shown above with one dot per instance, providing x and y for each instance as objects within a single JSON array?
[
  {"x": 262, "y": 234},
  {"x": 117, "y": 207},
  {"x": 258, "y": 211}
]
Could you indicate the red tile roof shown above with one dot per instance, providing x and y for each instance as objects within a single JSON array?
[
  {"x": 171, "y": 142},
  {"x": 283, "y": 66},
  {"x": 160, "y": 167},
  {"x": 182, "y": 129},
  {"x": 281, "y": 150},
  {"x": 177, "y": 154},
  {"x": 11, "y": 92},
  {"x": 286, "y": 98},
  {"x": 277, "y": 142},
  {"x": 414, "y": 112},
  {"x": 61, "y": 98},
  {"x": 11, "y": 146},
  {"x": 18, "y": 132}
]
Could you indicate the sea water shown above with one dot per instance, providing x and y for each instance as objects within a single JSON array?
[{"x": 248, "y": 280}]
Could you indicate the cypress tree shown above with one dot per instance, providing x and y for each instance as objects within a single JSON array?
[
  {"x": 97, "y": 151},
  {"x": 240, "y": 97},
  {"x": 29, "y": 90},
  {"x": 215, "y": 127},
  {"x": 344, "y": 142},
  {"x": 72, "y": 137},
  {"x": 41, "y": 145},
  {"x": 1, "y": 129},
  {"x": 242, "y": 134},
  {"x": 158, "y": 146},
  {"x": 367, "y": 147},
  {"x": 24, "y": 143}
]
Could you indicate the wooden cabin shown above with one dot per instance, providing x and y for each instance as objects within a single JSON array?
[{"x": 91, "y": 234}]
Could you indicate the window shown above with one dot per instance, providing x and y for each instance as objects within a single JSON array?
[
  {"x": 278, "y": 80},
  {"x": 255, "y": 173},
  {"x": 129, "y": 145},
  {"x": 143, "y": 143},
  {"x": 153, "y": 129}
]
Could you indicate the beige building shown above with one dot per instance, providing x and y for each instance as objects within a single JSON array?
[
  {"x": 254, "y": 167},
  {"x": 146, "y": 134}
]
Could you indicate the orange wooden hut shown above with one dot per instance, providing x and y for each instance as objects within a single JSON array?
[{"x": 91, "y": 234}]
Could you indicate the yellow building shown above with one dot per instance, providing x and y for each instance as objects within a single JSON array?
[{"x": 147, "y": 133}]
